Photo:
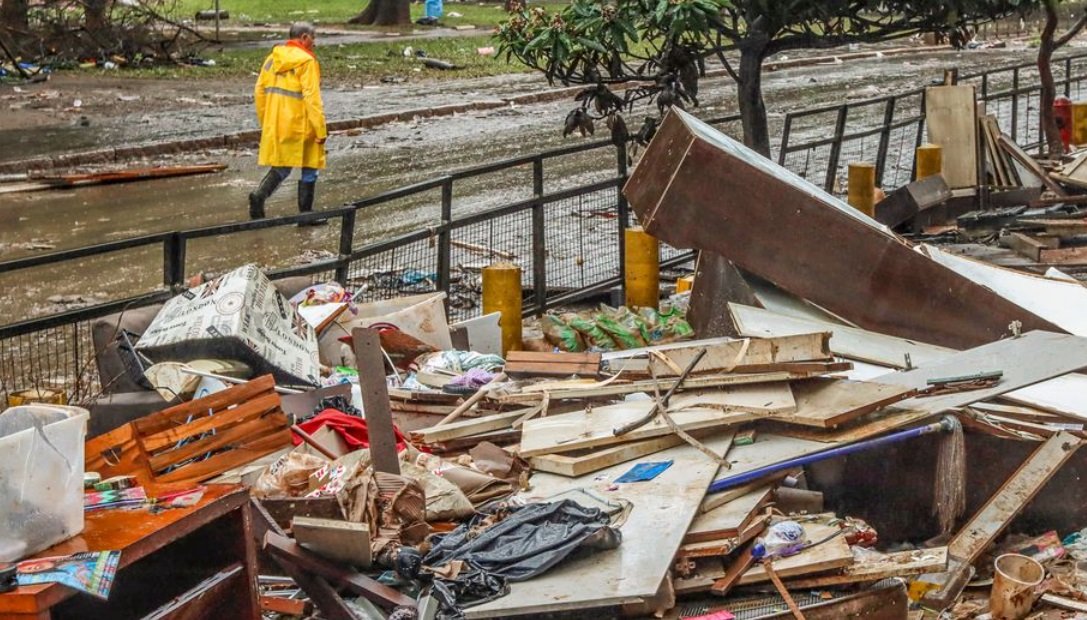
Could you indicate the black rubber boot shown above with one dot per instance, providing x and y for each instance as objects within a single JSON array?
[
  {"x": 305, "y": 201},
  {"x": 266, "y": 188}
]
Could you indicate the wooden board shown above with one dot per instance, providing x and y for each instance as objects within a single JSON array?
[
  {"x": 468, "y": 427},
  {"x": 341, "y": 541},
  {"x": 1061, "y": 395},
  {"x": 697, "y": 188},
  {"x": 1024, "y": 159},
  {"x": 827, "y": 403},
  {"x": 951, "y": 121},
  {"x": 577, "y": 389},
  {"x": 662, "y": 510},
  {"x": 1064, "y": 256},
  {"x": 832, "y": 554},
  {"x": 533, "y": 363},
  {"x": 722, "y": 355},
  {"x": 1026, "y": 360},
  {"x": 1012, "y": 497},
  {"x": 899, "y": 564},
  {"x": 1026, "y": 246},
  {"x": 728, "y": 520},
  {"x": 575, "y": 465},
  {"x": 690, "y": 411}
]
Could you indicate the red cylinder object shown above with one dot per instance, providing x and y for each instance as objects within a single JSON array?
[{"x": 1062, "y": 111}]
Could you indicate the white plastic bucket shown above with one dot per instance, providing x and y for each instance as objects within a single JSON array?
[
  {"x": 1015, "y": 580},
  {"x": 41, "y": 477}
]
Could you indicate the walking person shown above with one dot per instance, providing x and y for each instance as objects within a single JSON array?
[{"x": 292, "y": 119}]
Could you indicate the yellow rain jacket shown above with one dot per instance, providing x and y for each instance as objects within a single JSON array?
[{"x": 289, "y": 108}]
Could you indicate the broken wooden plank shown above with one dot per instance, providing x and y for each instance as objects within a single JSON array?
[
  {"x": 575, "y": 465},
  {"x": 1063, "y": 256},
  {"x": 729, "y": 520},
  {"x": 1018, "y": 154},
  {"x": 664, "y": 508},
  {"x": 721, "y": 547},
  {"x": 687, "y": 192},
  {"x": 827, "y": 403},
  {"x": 533, "y": 363},
  {"x": 468, "y": 427},
  {"x": 898, "y": 564},
  {"x": 722, "y": 355},
  {"x": 691, "y": 411},
  {"x": 576, "y": 390},
  {"x": 828, "y": 555},
  {"x": 341, "y": 541},
  {"x": 1012, "y": 497},
  {"x": 1026, "y": 246}
]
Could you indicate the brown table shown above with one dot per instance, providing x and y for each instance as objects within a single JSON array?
[{"x": 197, "y": 562}]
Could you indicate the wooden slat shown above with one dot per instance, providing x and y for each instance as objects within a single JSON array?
[
  {"x": 204, "y": 423},
  {"x": 178, "y": 414},
  {"x": 728, "y": 520},
  {"x": 1064, "y": 256},
  {"x": 222, "y": 438},
  {"x": 1012, "y": 497},
  {"x": 209, "y": 468},
  {"x": 1018, "y": 154},
  {"x": 723, "y": 355},
  {"x": 469, "y": 427},
  {"x": 559, "y": 392}
]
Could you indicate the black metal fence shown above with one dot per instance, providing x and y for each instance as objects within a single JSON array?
[{"x": 566, "y": 237}]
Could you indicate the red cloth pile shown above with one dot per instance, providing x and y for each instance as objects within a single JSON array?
[{"x": 351, "y": 428}]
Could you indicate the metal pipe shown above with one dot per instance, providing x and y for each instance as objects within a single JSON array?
[{"x": 944, "y": 424}]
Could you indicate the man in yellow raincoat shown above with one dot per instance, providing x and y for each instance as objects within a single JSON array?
[{"x": 292, "y": 119}]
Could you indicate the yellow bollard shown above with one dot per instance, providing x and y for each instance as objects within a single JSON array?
[
  {"x": 643, "y": 277},
  {"x": 862, "y": 188},
  {"x": 930, "y": 160},
  {"x": 1079, "y": 123},
  {"x": 684, "y": 284},
  {"x": 502, "y": 293}
]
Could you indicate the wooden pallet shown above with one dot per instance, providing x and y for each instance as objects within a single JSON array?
[{"x": 200, "y": 439}]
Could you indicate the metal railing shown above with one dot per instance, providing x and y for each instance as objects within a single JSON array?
[{"x": 567, "y": 238}]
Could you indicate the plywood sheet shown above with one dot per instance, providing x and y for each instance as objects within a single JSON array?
[
  {"x": 1056, "y": 301},
  {"x": 951, "y": 120},
  {"x": 1062, "y": 395},
  {"x": 726, "y": 521},
  {"x": 722, "y": 355},
  {"x": 829, "y": 555},
  {"x": 716, "y": 195},
  {"x": 662, "y": 511},
  {"x": 1026, "y": 360},
  {"x": 690, "y": 411},
  {"x": 827, "y": 403}
]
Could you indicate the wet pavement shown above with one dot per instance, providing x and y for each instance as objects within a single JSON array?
[{"x": 368, "y": 163}]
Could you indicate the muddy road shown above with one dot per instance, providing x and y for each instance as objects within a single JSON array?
[{"x": 365, "y": 164}]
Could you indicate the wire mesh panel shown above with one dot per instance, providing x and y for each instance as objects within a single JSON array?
[
  {"x": 408, "y": 268},
  {"x": 58, "y": 358},
  {"x": 582, "y": 241},
  {"x": 506, "y": 238}
]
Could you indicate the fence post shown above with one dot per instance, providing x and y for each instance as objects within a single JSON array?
[
  {"x": 347, "y": 245},
  {"x": 444, "y": 237},
  {"x": 539, "y": 238},
  {"x": 173, "y": 261},
  {"x": 788, "y": 129},
  {"x": 836, "y": 149},
  {"x": 1015, "y": 103},
  {"x": 623, "y": 214},
  {"x": 1068, "y": 77},
  {"x": 884, "y": 140}
]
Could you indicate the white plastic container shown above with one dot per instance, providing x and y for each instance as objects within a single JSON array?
[{"x": 41, "y": 477}]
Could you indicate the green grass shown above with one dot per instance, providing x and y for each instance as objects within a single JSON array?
[
  {"x": 355, "y": 63},
  {"x": 335, "y": 11}
]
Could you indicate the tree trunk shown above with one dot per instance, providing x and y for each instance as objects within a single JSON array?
[
  {"x": 95, "y": 18},
  {"x": 384, "y": 13},
  {"x": 749, "y": 97},
  {"x": 13, "y": 15},
  {"x": 1048, "y": 94}
]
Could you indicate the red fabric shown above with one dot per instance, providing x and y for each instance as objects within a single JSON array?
[
  {"x": 352, "y": 429},
  {"x": 298, "y": 44}
]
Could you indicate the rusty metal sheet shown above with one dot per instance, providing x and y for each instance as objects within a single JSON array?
[{"x": 696, "y": 188}]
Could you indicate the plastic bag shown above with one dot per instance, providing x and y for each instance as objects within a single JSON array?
[
  {"x": 594, "y": 336},
  {"x": 623, "y": 326},
  {"x": 561, "y": 335},
  {"x": 288, "y": 476},
  {"x": 783, "y": 539}
]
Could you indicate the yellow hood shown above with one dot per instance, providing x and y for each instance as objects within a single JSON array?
[{"x": 287, "y": 57}]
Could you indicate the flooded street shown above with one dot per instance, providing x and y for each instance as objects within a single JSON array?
[{"x": 365, "y": 164}]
